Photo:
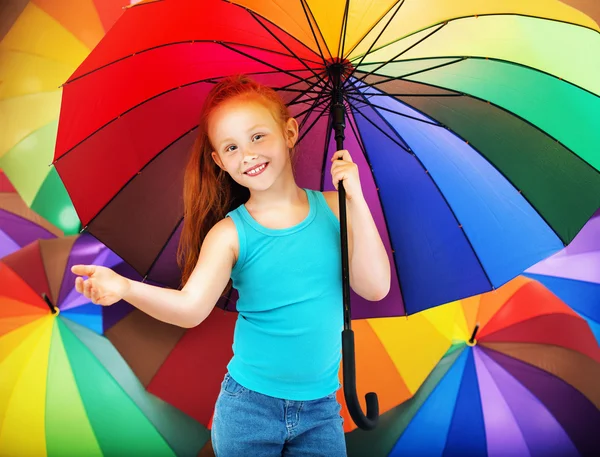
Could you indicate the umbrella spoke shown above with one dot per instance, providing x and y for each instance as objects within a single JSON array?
[
  {"x": 400, "y": 145},
  {"x": 416, "y": 72},
  {"x": 308, "y": 19},
  {"x": 227, "y": 44},
  {"x": 375, "y": 25},
  {"x": 342, "y": 41},
  {"x": 314, "y": 84},
  {"x": 404, "y": 51},
  {"x": 275, "y": 67},
  {"x": 316, "y": 119},
  {"x": 363, "y": 148},
  {"x": 376, "y": 39},
  {"x": 302, "y": 61},
  {"x": 384, "y": 108}
]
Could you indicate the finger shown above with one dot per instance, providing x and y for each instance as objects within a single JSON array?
[
  {"x": 341, "y": 154},
  {"x": 79, "y": 284},
  {"x": 95, "y": 297},
  {"x": 339, "y": 176},
  {"x": 83, "y": 270},
  {"x": 87, "y": 288}
]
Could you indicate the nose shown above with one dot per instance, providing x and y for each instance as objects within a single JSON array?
[{"x": 248, "y": 155}]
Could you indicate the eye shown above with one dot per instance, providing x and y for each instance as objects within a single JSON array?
[
  {"x": 231, "y": 148},
  {"x": 257, "y": 137}
]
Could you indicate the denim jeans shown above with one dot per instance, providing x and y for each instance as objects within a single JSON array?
[{"x": 247, "y": 424}]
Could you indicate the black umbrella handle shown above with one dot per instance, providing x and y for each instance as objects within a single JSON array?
[{"x": 369, "y": 421}]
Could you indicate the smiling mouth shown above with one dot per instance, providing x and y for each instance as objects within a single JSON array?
[{"x": 255, "y": 171}]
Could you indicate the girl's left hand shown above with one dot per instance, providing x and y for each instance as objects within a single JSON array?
[{"x": 347, "y": 171}]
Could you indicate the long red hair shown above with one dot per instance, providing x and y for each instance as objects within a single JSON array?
[{"x": 209, "y": 193}]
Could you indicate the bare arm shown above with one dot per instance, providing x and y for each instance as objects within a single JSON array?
[
  {"x": 370, "y": 274},
  {"x": 185, "y": 308}
]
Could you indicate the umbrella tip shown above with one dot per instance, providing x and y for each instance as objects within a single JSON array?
[
  {"x": 53, "y": 308},
  {"x": 472, "y": 341}
]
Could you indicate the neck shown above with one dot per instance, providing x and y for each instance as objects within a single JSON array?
[{"x": 283, "y": 192}]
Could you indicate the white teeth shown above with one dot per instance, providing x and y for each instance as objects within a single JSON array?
[{"x": 256, "y": 170}]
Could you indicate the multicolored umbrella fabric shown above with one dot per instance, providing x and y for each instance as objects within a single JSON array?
[
  {"x": 455, "y": 116},
  {"x": 527, "y": 385},
  {"x": 66, "y": 391},
  {"x": 183, "y": 367},
  {"x": 41, "y": 43},
  {"x": 19, "y": 225},
  {"x": 46, "y": 266},
  {"x": 573, "y": 274},
  {"x": 394, "y": 356}
]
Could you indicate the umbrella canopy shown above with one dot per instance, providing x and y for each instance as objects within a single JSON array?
[
  {"x": 65, "y": 390},
  {"x": 470, "y": 167},
  {"x": 41, "y": 43},
  {"x": 526, "y": 385},
  {"x": 46, "y": 266},
  {"x": 19, "y": 225},
  {"x": 393, "y": 356},
  {"x": 573, "y": 274}
]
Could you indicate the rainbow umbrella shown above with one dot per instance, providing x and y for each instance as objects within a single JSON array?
[
  {"x": 41, "y": 43},
  {"x": 454, "y": 111},
  {"x": 46, "y": 265},
  {"x": 169, "y": 360},
  {"x": 65, "y": 390},
  {"x": 522, "y": 382},
  {"x": 19, "y": 225},
  {"x": 573, "y": 274}
]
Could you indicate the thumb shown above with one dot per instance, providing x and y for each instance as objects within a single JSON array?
[{"x": 83, "y": 270}]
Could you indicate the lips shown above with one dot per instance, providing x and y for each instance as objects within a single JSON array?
[{"x": 256, "y": 170}]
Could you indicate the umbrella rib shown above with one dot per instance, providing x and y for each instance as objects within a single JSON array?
[
  {"x": 273, "y": 24},
  {"x": 307, "y": 100},
  {"x": 416, "y": 72},
  {"x": 133, "y": 177},
  {"x": 400, "y": 145},
  {"x": 212, "y": 80},
  {"x": 329, "y": 102},
  {"x": 308, "y": 113},
  {"x": 400, "y": 53},
  {"x": 281, "y": 70},
  {"x": 374, "y": 25},
  {"x": 358, "y": 135},
  {"x": 369, "y": 103},
  {"x": 284, "y": 45},
  {"x": 502, "y": 108},
  {"x": 460, "y": 58},
  {"x": 443, "y": 197},
  {"x": 342, "y": 41},
  {"x": 495, "y": 167},
  {"x": 313, "y": 84},
  {"x": 376, "y": 39},
  {"x": 303, "y": 92},
  {"x": 305, "y": 7},
  {"x": 175, "y": 43},
  {"x": 162, "y": 250},
  {"x": 326, "y": 150}
]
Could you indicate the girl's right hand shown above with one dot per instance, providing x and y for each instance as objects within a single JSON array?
[{"x": 103, "y": 286}]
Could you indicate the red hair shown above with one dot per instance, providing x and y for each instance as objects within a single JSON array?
[{"x": 209, "y": 193}]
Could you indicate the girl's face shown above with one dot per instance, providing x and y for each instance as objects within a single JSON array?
[{"x": 249, "y": 143}]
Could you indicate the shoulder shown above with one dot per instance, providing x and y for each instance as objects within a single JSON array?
[
  {"x": 224, "y": 233},
  {"x": 331, "y": 197}
]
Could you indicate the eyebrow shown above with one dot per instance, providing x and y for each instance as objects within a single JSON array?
[{"x": 254, "y": 127}]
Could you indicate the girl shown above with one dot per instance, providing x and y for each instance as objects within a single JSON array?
[{"x": 247, "y": 221}]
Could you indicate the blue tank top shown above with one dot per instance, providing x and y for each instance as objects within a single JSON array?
[{"x": 287, "y": 338}]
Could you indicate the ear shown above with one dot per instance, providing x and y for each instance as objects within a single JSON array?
[
  {"x": 217, "y": 160},
  {"x": 291, "y": 132}
]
